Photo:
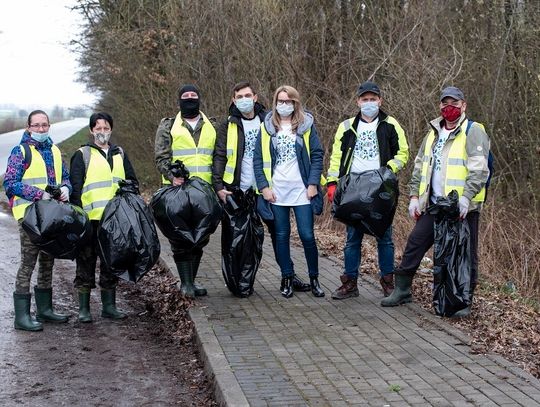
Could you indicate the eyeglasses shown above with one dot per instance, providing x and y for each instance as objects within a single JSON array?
[
  {"x": 37, "y": 126},
  {"x": 285, "y": 102}
]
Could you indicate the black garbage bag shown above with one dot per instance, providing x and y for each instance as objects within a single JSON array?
[
  {"x": 127, "y": 237},
  {"x": 367, "y": 200},
  {"x": 242, "y": 236},
  {"x": 187, "y": 214},
  {"x": 452, "y": 257},
  {"x": 59, "y": 229}
]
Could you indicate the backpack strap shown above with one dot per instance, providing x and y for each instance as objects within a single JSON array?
[
  {"x": 85, "y": 150},
  {"x": 27, "y": 154},
  {"x": 121, "y": 152}
]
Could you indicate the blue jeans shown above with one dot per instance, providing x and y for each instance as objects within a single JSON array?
[
  {"x": 304, "y": 223},
  {"x": 353, "y": 252}
]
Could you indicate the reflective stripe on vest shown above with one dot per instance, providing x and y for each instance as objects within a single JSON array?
[
  {"x": 36, "y": 175},
  {"x": 197, "y": 159},
  {"x": 101, "y": 183},
  {"x": 232, "y": 148},
  {"x": 456, "y": 169}
]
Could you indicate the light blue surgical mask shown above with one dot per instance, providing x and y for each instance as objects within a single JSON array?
[
  {"x": 40, "y": 137},
  {"x": 370, "y": 109},
  {"x": 284, "y": 110},
  {"x": 245, "y": 105}
]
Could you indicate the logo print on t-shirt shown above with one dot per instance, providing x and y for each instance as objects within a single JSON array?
[
  {"x": 249, "y": 139},
  {"x": 366, "y": 147},
  {"x": 286, "y": 150}
]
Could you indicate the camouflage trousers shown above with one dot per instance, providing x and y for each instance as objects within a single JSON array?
[
  {"x": 85, "y": 274},
  {"x": 29, "y": 256}
]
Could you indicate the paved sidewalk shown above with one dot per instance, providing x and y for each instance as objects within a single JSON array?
[{"x": 270, "y": 351}]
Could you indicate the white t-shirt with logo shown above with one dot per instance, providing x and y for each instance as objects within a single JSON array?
[
  {"x": 287, "y": 181},
  {"x": 366, "y": 150},
  {"x": 437, "y": 181},
  {"x": 251, "y": 130}
]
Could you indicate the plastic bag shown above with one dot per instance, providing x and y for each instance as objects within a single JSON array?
[
  {"x": 367, "y": 200},
  {"x": 242, "y": 236},
  {"x": 127, "y": 237},
  {"x": 452, "y": 257},
  {"x": 187, "y": 214},
  {"x": 59, "y": 229}
]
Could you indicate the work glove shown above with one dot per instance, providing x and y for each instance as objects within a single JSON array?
[
  {"x": 330, "y": 191},
  {"x": 64, "y": 196},
  {"x": 414, "y": 208},
  {"x": 46, "y": 195},
  {"x": 463, "y": 206}
]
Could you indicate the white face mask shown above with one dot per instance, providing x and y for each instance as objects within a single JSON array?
[
  {"x": 370, "y": 109},
  {"x": 102, "y": 138},
  {"x": 285, "y": 110},
  {"x": 245, "y": 105}
]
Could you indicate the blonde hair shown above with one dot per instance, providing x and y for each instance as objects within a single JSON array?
[{"x": 297, "y": 117}]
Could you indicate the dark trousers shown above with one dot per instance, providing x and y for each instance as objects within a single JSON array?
[
  {"x": 422, "y": 238},
  {"x": 182, "y": 253},
  {"x": 85, "y": 274}
]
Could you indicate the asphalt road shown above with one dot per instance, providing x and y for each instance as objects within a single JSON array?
[{"x": 59, "y": 132}]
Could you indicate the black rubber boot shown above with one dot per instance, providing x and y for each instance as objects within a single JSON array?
[
  {"x": 187, "y": 289},
  {"x": 44, "y": 307},
  {"x": 84, "y": 305},
  {"x": 23, "y": 320},
  {"x": 316, "y": 289},
  {"x": 286, "y": 287},
  {"x": 108, "y": 299},
  {"x": 402, "y": 291},
  {"x": 198, "y": 289}
]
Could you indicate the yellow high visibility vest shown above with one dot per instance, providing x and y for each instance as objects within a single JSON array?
[
  {"x": 267, "y": 158},
  {"x": 197, "y": 159},
  {"x": 101, "y": 183},
  {"x": 232, "y": 153},
  {"x": 456, "y": 169},
  {"x": 36, "y": 175}
]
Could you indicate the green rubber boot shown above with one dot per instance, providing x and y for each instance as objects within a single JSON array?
[
  {"x": 402, "y": 291},
  {"x": 108, "y": 299},
  {"x": 44, "y": 307},
  {"x": 198, "y": 289},
  {"x": 23, "y": 320},
  {"x": 84, "y": 305},
  {"x": 187, "y": 289}
]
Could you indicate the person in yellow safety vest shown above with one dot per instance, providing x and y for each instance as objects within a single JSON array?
[
  {"x": 189, "y": 137},
  {"x": 233, "y": 156},
  {"x": 450, "y": 158},
  {"x": 371, "y": 140},
  {"x": 32, "y": 165},
  {"x": 287, "y": 162},
  {"x": 95, "y": 171}
]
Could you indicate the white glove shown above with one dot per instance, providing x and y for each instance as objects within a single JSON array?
[
  {"x": 463, "y": 206},
  {"x": 46, "y": 195},
  {"x": 64, "y": 196},
  {"x": 414, "y": 208}
]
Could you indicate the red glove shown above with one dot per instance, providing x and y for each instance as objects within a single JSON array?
[{"x": 330, "y": 191}]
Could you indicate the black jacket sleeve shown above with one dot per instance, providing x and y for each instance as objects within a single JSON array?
[
  {"x": 129, "y": 170},
  {"x": 77, "y": 176},
  {"x": 220, "y": 156}
]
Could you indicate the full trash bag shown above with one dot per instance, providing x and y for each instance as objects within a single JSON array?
[
  {"x": 452, "y": 257},
  {"x": 367, "y": 200},
  {"x": 187, "y": 214},
  {"x": 242, "y": 236},
  {"x": 127, "y": 237},
  {"x": 59, "y": 229}
]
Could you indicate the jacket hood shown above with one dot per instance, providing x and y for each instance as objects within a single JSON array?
[
  {"x": 302, "y": 128},
  {"x": 234, "y": 112},
  {"x": 40, "y": 145}
]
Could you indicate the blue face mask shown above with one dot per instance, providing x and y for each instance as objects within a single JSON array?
[
  {"x": 370, "y": 109},
  {"x": 245, "y": 105},
  {"x": 40, "y": 137}
]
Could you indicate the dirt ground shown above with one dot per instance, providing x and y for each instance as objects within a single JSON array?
[{"x": 146, "y": 360}]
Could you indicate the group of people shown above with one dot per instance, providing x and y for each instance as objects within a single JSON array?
[{"x": 278, "y": 154}]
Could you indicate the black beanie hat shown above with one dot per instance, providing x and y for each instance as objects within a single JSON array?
[{"x": 188, "y": 88}]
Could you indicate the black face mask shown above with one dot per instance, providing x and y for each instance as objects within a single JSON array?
[{"x": 189, "y": 108}]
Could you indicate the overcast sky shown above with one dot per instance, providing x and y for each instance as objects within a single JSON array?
[{"x": 37, "y": 69}]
